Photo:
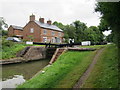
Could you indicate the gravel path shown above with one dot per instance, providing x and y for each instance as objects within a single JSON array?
[{"x": 84, "y": 77}]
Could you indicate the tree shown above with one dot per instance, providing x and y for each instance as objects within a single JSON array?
[
  {"x": 80, "y": 27},
  {"x": 2, "y": 26},
  {"x": 94, "y": 35},
  {"x": 110, "y": 38},
  {"x": 31, "y": 37},
  {"x": 59, "y": 24},
  {"x": 2, "y": 23},
  {"x": 69, "y": 31},
  {"x": 103, "y": 26},
  {"x": 110, "y": 13}
]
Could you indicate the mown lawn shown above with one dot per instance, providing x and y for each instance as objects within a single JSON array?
[
  {"x": 63, "y": 73},
  {"x": 105, "y": 72}
]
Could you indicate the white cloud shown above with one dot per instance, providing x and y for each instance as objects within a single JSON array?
[{"x": 66, "y": 11}]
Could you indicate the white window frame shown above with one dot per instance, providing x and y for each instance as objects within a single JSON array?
[
  {"x": 31, "y": 30},
  {"x": 59, "y": 33},
  {"x": 53, "y": 33},
  {"x": 44, "y": 39},
  {"x": 45, "y": 31},
  {"x": 53, "y": 40}
]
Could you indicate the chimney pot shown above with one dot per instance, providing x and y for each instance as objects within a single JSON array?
[
  {"x": 49, "y": 22},
  {"x": 41, "y": 20},
  {"x": 32, "y": 17}
]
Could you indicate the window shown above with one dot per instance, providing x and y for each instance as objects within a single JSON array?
[
  {"x": 45, "y": 31},
  {"x": 53, "y": 40},
  {"x": 44, "y": 39},
  {"x": 31, "y": 30},
  {"x": 57, "y": 40},
  {"x": 53, "y": 33},
  {"x": 59, "y": 33}
]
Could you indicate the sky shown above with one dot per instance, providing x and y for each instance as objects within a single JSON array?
[{"x": 17, "y": 12}]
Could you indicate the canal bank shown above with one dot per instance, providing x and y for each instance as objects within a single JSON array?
[{"x": 30, "y": 53}]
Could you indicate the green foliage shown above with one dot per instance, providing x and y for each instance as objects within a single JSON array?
[
  {"x": 94, "y": 46},
  {"x": 80, "y": 32},
  {"x": 59, "y": 24},
  {"x": 6, "y": 43},
  {"x": 2, "y": 23},
  {"x": 110, "y": 37},
  {"x": 4, "y": 32},
  {"x": 103, "y": 25},
  {"x": 70, "y": 31},
  {"x": 71, "y": 64},
  {"x": 105, "y": 72},
  {"x": 94, "y": 35},
  {"x": 9, "y": 48},
  {"x": 80, "y": 27},
  {"x": 31, "y": 37},
  {"x": 110, "y": 13}
]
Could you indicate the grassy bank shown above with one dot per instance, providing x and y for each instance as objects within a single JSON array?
[
  {"x": 105, "y": 73},
  {"x": 10, "y": 51},
  {"x": 9, "y": 48},
  {"x": 94, "y": 46},
  {"x": 63, "y": 73}
]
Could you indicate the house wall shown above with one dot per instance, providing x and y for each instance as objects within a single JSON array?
[
  {"x": 18, "y": 32},
  {"x": 38, "y": 33},
  {"x": 10, "y": 31},
  {"x": 35, "y": 34},
  {"x": 49, "y": 35}
]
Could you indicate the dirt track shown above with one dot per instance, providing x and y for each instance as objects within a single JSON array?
[{"x": 85, "y": 75}]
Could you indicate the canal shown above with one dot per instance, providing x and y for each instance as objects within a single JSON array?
[{"x": 15, "y": 74}]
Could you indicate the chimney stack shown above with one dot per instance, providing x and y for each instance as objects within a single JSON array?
[
  {"x": 32, "y": 17},
  {"x": 41, "y": 20},
  {"x": 49, "y": 22}
]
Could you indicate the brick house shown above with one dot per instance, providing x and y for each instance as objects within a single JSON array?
[
  {"x": 15, "y": 31},
  {"x": 40, "y": 31}
]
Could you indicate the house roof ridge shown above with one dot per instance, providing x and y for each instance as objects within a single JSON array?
[
  {"x": 46, "y": 25},
  {"x": 17, "y": 27}
]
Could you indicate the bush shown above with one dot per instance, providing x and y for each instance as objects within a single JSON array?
[{"x": 6, "y": 43}]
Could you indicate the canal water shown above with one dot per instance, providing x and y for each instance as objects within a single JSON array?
[{"x": 15, "y": 74}]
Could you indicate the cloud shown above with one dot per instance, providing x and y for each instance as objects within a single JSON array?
[{"x": 66, "y": 11}]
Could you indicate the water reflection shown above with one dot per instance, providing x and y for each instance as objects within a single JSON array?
[
  {"x": 12, "y": 83},
  {"x": 16, "y": 74}
]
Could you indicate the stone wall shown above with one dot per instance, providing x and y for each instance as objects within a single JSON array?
[
  {"x": 30, "y": 53},
  {"x": 33, "y": 53}
]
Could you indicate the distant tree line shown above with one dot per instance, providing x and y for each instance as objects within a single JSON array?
[{"x": 80, "y": 32}]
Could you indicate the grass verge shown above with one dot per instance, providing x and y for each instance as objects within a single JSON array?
[
  {"x": 9, "y": 48},
  {"x": 94, "y": 46},
  {"x": 63, "y": 73},
  {"x": 105, "y": 72},
  {"x": 10, "y": 51}
]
